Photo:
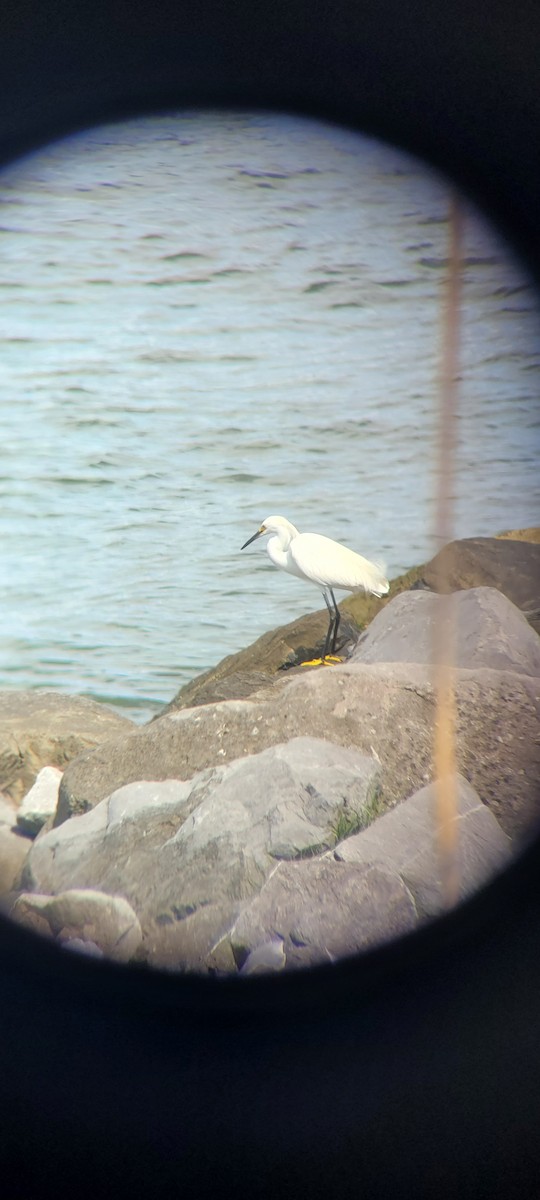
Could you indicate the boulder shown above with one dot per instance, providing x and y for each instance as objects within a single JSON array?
[
  {"x": 40, "y": 802},
  {"x": 115, "y": 847},
  {"x": 186, "y": 855},
  {"x": 324, "y": 910},
  {"x": 194, "y": 941},
  {"x": 14, "y": 847},
  {"x": 488, "y": 631},
  {"x": 405, "y": 841},
  {"x": 40, "y": 728},
  {"x": 107, "y": 923},
  {"x": 8, "y": 810},
  {"x": 384, "y": 709},
  {"x": 511, "y": 566}
]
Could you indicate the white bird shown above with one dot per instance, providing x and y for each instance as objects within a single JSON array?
[{"x": 321, "y": 561}]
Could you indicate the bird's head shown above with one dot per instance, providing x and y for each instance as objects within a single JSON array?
[{"x": 279, "y": 525}]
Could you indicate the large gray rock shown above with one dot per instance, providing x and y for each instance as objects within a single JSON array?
[
  {"x": 187, "y": 854},
  {"x": 192, "y": 942},
  {"x": 405, "y": 841},
  {"x": 40, "y": 728},
  {"x": 8, "y": 810},
  {"x": 14, "y": 848},
  {"x": 513, "y": 567},
  {"x": 106, "y": 922},
  {"x": 487, "y": 631},
  {"x": 382, "y": 709},
  {"x": 323, "y": 911},
  {"x": 115, "y": 847}
]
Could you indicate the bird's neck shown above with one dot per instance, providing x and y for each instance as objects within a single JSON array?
[{"x": 279, "y": 543}]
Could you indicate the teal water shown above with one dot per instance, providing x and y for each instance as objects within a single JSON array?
[{"x": 207, "y": 318}]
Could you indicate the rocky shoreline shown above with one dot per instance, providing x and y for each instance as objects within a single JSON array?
[{"x": 275, "y": 816}]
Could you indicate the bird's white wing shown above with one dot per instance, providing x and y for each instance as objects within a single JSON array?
[{"x": 328, "y": 564}]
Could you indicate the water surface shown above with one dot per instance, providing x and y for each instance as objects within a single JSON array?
[{"x": 208, "y": 318}]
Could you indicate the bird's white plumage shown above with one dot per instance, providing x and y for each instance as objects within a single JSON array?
[
  {"x": 328, "y": 564},
  {"x": 320, "y": 560}
]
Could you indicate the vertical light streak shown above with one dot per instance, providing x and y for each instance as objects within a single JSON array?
[{"x": 444, "y": 634}]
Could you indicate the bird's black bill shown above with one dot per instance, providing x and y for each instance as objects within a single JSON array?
[{"x": 251, "y": 539}]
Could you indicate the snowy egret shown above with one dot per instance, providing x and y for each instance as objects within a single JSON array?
[{"x": 321, "y": 561}]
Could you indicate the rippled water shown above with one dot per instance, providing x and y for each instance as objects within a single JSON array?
[{"x": 206, "y": 318}]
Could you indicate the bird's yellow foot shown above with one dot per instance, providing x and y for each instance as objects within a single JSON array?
[{"x": 321, "y": 662}]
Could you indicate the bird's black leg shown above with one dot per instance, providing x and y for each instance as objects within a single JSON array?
[
  {"x": 337, "y": 619},
  {"x": 331, "y": 636},
  {"x": 330, "y": 626}
]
